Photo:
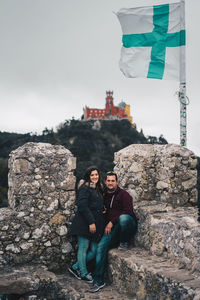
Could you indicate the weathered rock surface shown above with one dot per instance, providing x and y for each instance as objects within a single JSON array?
[
  {"x": 33, "y": 283},
  {"x": 42, "y": 203},
  {"x": 34, "y": 230},
  {"x": 172, "y": 233},
  {"x": 144, "y": 276},
  {"x": 166, "y": 173},
  {"x": 22, "y": 280},
  {"x": 77, "y": 289}
]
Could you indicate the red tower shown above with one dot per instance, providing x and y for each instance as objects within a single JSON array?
[
  {"x": 109, "y": 103},
  {"x": 110, "y": 112}
]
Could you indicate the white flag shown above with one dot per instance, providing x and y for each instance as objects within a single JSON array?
[{"x": 153, "y": 41}]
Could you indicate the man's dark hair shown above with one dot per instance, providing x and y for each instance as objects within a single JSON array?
[{"x": 111, "y": 173}]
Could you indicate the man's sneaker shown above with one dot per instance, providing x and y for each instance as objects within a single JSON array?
[
  {"x": 96, "y": 287},
  {"x": 88, "y": 278},
  {"x": 123, "y": 246},
  {"x": 76, "y": 273}
]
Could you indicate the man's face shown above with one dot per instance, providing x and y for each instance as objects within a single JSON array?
[{"x": 111, "y": 183}]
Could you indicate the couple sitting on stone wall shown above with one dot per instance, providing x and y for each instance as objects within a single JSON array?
[{"x": 104, "y": 219}]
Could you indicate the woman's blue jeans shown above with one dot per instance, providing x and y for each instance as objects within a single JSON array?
[
  {"x": 83, "y": 255},
  {"x": 122, "y": 232}
]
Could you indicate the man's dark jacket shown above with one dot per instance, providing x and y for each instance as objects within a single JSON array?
[{"x": 118, "y": 203}]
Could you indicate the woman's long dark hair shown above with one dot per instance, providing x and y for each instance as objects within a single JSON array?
[{"x": 86, "y": 178}]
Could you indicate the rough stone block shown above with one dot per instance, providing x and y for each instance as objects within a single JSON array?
[
  {"x": 37, "y": 221},
  {"x": 145, "y": 276},
  {"x": 168, "y": 232},
  {"x": 162, "y": 172}
]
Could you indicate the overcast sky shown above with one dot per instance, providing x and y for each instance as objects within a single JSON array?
[{"x": 57, "y": 56}]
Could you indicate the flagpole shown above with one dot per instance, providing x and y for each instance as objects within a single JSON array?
[
  {"x": 184, "y": 101},
  {"x": 183, "y": 114}
]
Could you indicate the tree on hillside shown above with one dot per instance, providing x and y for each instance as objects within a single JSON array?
[{"x": 90, "y": 144}]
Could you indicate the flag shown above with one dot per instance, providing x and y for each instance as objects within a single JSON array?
[{"x": 153, "y": 41}]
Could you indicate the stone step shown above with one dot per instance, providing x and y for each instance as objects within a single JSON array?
[
  {"x": 37, "y": 283},
  {"x": 147, "y": 277},
  {"x": 135, "y": 275},
  {"x": 174, "y": 233},
  {"x": 74, "y": 289}
]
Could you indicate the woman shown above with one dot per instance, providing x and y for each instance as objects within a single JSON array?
[{"x": 88, "y": 223}]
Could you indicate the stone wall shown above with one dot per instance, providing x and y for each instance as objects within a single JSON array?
[
  {"x": 148, "y": 277},
  {"x": 33, "y": 230},
  {"x": 171, "y": 233},
  {"x": 163, "y": 183},
  {"x": 165, "y": 173},
  {"x": 161, "y": 179},
  {"x": 42, "y": 203}
]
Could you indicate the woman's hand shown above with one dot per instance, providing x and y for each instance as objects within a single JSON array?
[
  {"x": 92, "y": 228},
  {"x": 108, "y": 228}
]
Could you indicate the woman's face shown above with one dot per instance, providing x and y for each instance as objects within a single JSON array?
[{"x": 94, "y": 176}]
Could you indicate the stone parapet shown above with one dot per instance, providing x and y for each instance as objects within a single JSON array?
[
  {"x": 144, "y": 277},
  {"x": 33, "y": 230},
  {"x": 42, "y": 204},
  {"x": 166, "y": 173},
  {"x": 171, "y": 233}
]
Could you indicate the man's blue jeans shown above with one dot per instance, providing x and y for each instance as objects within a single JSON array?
[
  {"x": 83, "y": 255},
  {"x": 121, "y": 232}
]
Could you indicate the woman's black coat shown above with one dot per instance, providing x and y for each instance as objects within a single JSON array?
[{"x": 90, "y": 210}]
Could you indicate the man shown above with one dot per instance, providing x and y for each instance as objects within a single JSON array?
[{"x": 121, "y": 224}]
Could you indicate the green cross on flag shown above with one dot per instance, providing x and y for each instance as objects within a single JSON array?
[{"x": 153, "y": 41}]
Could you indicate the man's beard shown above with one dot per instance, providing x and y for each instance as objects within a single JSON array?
[{"x": 111, "y": 190}]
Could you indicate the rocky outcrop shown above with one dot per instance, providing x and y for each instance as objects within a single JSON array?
[{"x": 42, "y": 203}]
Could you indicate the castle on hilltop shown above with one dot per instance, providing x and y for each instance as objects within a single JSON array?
[{"x": 110, "y": 112}]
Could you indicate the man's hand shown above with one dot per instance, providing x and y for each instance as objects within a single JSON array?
[
  {"x": 108, "y": 228},
  {"x": 92, "y": 228}
]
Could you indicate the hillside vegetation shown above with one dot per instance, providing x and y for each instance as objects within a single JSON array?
[{"x": 92, "y": 142}]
